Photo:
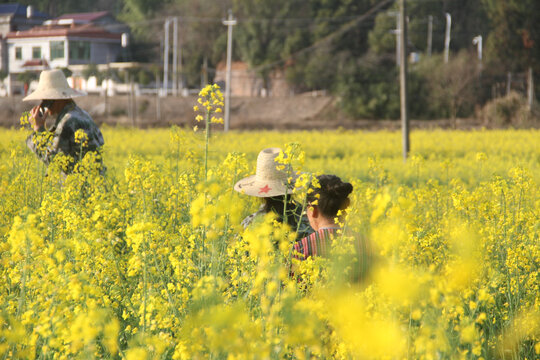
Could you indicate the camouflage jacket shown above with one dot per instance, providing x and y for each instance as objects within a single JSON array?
[{"x": 60, "y": 138}]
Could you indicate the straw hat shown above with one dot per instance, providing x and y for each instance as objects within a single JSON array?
[
  {"x": 53, "y": 86},
  {"x": 268, "y": 181}
]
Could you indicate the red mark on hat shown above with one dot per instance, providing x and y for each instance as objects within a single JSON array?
[{"x": 264, "y": 189}]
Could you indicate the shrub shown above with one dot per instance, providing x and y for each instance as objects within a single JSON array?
[{"x": 511, "y": 109}]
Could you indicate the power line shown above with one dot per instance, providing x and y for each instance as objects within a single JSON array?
[{"x": 345, "y": 28}]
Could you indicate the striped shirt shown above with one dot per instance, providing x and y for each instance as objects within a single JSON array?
[
  {"x": 316, "y": 244},
  {"x": 360, "y": 256}
]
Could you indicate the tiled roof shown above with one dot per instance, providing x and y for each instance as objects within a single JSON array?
[
  {"x": 86, "y": 30},
  {"x": 19, "y": 10},
  {"x": 12, "y": 9},
  {"x": 36, "y": 62},
  {"x": 85, "y": 17}
]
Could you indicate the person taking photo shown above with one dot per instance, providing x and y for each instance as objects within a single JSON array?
[{"x": 73, "y": 133}]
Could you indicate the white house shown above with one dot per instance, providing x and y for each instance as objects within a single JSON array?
[
  {"x": 63, "y": 42},
  {"x": 15, "y": 17}
]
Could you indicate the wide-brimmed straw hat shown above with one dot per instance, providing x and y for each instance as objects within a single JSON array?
[
  {"x": 53, "y": 86},
  {"x": 268, "y": 181}
]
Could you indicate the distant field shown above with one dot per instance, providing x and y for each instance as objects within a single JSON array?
[
  {"x": 151, "y": 261},
  {"x": 250, "y": 113}
]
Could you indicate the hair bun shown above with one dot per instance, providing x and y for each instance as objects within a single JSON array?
[
  {"x": 339, "y": 189},
  {"x": 332, "y": 194}
]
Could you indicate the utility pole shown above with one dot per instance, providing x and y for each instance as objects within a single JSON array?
[
  {"x": 166, "y": 57},
  {"x": 175, "y": 56},
  {"x": 107, "y": 72},
  {"x": 230, "y": 22},
  {"x": 180, "y": 68},
  {"x": 204, "y": 76},
  {"x": 447, "y": 37},
  {"x": 403, "y": 79},
  {"x": 429, "y": 35},
  {"x": 477, "y": 40},
  {"x": 397, "y": 33},
  {"x": 158, "y": 104},
  {"x": 399, "y": 43},
  {"x": 530, "y": 88}
]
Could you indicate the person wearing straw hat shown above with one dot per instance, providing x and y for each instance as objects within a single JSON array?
[
  {"x": 271, "y": 185},
  {"x": 57, "y": 101}
]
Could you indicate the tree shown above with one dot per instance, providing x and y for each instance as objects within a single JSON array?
[
  {"x": 203, "y": 37},
  {"x": 263, "y": 30},
  {"x": 56, "y": 8},
  {"x": 138, "y": 14},
  {"x": 27, "y": 76},
  {"x": 515, "y": 38},
  {"x": 335, "y": 38},
  {"x": 452, "y": 86},
  {"x": 468, "y": 20},
  {"x": 90, "y": 70},
  {"x": 366, "y": 92}
]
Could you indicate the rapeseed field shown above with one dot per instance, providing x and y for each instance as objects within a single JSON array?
[{"x": 150, "y": 261}]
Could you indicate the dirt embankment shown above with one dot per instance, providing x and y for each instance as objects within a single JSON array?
[{"x": 298, "y": 112}]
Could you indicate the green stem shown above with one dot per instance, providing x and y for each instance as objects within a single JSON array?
[
  {"x": 206, "y": 138},
  {"x": 22, "y": 297},
  {"x": 144, "y": 284}
]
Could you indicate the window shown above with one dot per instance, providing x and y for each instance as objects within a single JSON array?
[
  {"x": 57, "y": 50},
  {"x": 18, "y": 53},
  {"x": 79, "y": 50},
  {"x": 36, "y": 52}
]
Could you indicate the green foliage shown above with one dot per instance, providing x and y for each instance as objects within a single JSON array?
[
  {"x": 144, "y": 77},
  {"x": 367, "y": 92},
  {"x": 313, "y": 72},
  {"x": 56, "y": 8},
  {"x": 27, "y": 76},
  {"x": 510, "y": 110},
  {"x": 136, "y": 13},
  {"x": 381, "y": 39},
  {"x": 514, "y": 38},
  {"x": 328, "y": 45},
  {"x": 204, "y": 38},
  {"x": 453, "y": 87},
  {"x": 260, "y": 42},
  {"x": 90, "y": 70}
]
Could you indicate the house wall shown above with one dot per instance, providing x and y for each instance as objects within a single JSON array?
[
  {"x": 101, "y": 52},
  {"x": 105, "y": 52},
  {"x": 243, "y": 82},
  {"x": 16, "y": 66},
  {"x": 5, "y": 24},
  {"x": 3, "y": 55}
]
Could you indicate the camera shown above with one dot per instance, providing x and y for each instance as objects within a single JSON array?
[{"x": 44, "y": 106}]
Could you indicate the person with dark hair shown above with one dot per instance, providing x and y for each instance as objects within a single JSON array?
[
  {"x": 327, "y": 197},
  {"x": 271, "y": 185}
]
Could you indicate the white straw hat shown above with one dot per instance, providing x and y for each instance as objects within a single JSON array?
[
  {"x": 53, "y": 86},
  {"x": 268, "y": 181}
]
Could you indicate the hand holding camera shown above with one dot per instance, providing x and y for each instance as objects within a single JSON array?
[{"x": 38, "y": 114}]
